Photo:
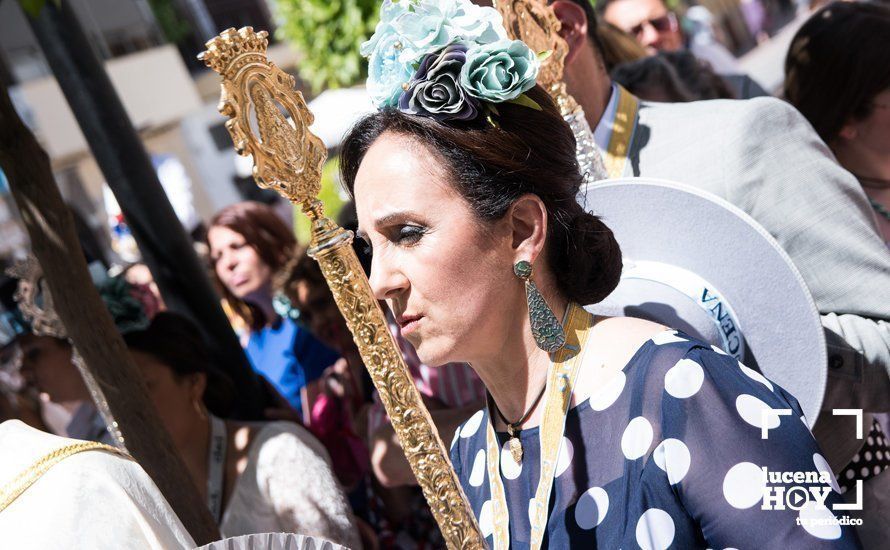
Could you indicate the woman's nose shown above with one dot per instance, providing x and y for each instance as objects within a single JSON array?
[
  {"x": 230, "y": 262},
  {"x": 386, "y": 282},
  {"x": 649, "y": 36}
]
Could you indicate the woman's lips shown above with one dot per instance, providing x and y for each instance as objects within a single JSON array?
[
  {"x": 239, "y": 280},
  {"x": 408, "y": 323}
]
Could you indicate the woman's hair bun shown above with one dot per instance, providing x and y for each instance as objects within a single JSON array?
[{"x": 591, "y": 259}]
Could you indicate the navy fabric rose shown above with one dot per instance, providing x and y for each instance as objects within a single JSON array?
[{"x": 435, "y": 89}]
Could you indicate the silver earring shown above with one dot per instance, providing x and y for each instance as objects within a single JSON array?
[{"x": 548, "y": 332}]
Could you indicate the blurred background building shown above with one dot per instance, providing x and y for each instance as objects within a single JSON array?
[{"x": 149, "y": 49}]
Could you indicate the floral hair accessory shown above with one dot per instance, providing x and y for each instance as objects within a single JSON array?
[{"x": 446, "y": 59}]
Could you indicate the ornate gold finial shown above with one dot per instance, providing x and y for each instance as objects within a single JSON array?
[
  {"x": 534, "y": 22},
  {"x": 34, "y": 299},
  {"x": 230, "y": 45},
  {"x": 268, "y": 119}
]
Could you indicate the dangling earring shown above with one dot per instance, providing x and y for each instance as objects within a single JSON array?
[
  {"x": 549, "y": 334},
  {"x": 199, "y": 408}
]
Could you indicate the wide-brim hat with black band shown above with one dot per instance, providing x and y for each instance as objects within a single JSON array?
[{"x": 695, "y": 262}]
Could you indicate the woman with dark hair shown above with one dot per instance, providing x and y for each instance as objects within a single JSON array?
[
  {"x": 249, "y": 244},
  {"x": 599, "y": 432},
  {"x": 257, "y": 477},
  {"x": 837, "y": 74}
]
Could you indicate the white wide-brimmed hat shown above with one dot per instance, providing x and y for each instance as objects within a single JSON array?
[{"x": 697, "y": 263}]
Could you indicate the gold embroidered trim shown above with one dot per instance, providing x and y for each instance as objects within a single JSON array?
[{"x": 29, "y": 476}]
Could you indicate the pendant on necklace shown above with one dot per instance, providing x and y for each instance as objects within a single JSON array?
[{"x": 515, "y": 445}]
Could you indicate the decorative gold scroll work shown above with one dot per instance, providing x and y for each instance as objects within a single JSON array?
[
  {"x": 534, "y": 22},
  {"x": 258, "y": 98}
]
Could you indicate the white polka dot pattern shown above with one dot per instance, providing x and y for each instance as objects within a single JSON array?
[
  {"x": 684, "y": 379},
  {"x": 637, "y": 438},
  {"x": 754, "y": 375},
  {"x": 509, "y": 468},
  {"x": 608, "y": 394},
  {"x": 564, "y": 459},
  {"x": 592, "y": 507},
  {"x": 755, "y": 412},
  {"x": 699, "y": 413},
  {"x": 486, "y": 519},
  {"x": 471, "y": 426},
  {"x": 744, "y": 485},
  {"x": 477, "y": 474},
  {"x": 812, "y": 517},
  {"x": 655, "y": 530},
  {"x": 673, "y": 457}
]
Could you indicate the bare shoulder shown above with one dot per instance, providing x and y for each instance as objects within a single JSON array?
[
  {"x": 612, "y": 343},
  {"x": 617, "y": 339}
]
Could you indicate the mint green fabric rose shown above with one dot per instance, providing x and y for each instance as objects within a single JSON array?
[
  {"x": 431, "y": 25},
  {"x": 389, "y": 11},
  {"x": 386, "y": 74},
  {"x": 500, "y": 71},
  {"x": 425, "y": 29}
]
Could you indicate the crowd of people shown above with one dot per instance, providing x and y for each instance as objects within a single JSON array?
[{"x": 456, "y": 206}]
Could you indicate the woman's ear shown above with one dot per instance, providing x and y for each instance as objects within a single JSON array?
[
  {"x": 198, "y": 386},
  {"x": 574, "y": 26},
  {"x": 528, "y": 224},
  {"x": 848, "y": 131}
]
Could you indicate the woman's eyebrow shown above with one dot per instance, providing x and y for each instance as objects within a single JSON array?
[{"x": 382, "y": 221}]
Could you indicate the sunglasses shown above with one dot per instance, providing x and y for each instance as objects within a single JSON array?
[{"x": 667, "y": 22}]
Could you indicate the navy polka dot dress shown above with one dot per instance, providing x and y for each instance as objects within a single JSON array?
[{"x": 668, "y": 454}]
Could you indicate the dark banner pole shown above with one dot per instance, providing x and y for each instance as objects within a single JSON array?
[
  {"x": 89, "y": 325},
  {"x": 165, "y": 247}
]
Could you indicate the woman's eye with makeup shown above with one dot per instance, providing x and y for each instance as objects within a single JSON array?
[{"x": 409, "y": 234}]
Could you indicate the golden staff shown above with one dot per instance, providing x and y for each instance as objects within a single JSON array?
[
  {"x": 534, "y": 22},
  {"x": 257, "y": 97}
]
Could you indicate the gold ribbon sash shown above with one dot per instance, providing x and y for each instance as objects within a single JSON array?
[
  {"x": 558, "y": 397},
  {"x": 622, "y": 132},
  {"x": 29, "y": 476}
]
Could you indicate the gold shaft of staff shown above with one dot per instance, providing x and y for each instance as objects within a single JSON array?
[{"x": 269, "y": 120}]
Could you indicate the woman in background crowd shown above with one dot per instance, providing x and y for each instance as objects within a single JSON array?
[
  {"x": 837, "y": 74},
  {"x": 249, "y": 243},
  {"x": 257, "y": 477}
]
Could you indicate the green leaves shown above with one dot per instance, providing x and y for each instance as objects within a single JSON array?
[
  {"x": 327, "y": 35},
  {"x": 526, "y": 101},
  {"x": 33, "y": 7}
]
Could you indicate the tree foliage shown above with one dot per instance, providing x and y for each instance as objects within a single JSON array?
[{"x": 327, "y": 35}]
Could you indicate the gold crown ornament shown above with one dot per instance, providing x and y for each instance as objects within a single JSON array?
[{"x": 268, "y": 120}]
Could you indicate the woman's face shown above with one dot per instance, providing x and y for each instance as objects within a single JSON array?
[
  {"x": 175, "y": 398},
  {"x": 873, "y": 132},
  {"x": 447, "y": 277},
  {"x": 319, "y": 313},
  {"x": 238, "y": 265},
  {"x": 46, "y": 363}
]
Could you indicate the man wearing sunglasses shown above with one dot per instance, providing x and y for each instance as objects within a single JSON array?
[
  {"x": 649, "y": 21},
  {"x": 658, "y": 29}
]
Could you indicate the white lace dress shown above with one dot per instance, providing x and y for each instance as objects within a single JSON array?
[{"x": 288, "y": 486}]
